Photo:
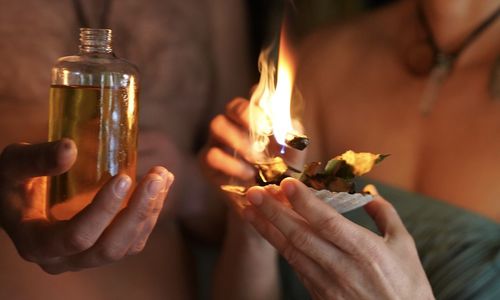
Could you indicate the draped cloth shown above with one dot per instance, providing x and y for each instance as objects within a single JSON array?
[{"x": 460, "y": 250}]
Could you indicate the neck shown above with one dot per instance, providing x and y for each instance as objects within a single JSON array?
[{"x": 451, "y": 21}]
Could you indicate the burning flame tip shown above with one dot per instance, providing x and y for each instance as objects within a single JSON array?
[{"x": 271, "y": 109}]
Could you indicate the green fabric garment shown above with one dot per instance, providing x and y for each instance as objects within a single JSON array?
[{"x": 460, "y": 251}]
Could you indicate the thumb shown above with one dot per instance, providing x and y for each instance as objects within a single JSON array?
[
  {"x": 19, "y": 162},
  {"x": 384, "y": 214}
]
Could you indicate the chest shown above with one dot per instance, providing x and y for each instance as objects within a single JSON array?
[
  {"x": 167, "y": 40},
  {"x": 453, "y": 154}
]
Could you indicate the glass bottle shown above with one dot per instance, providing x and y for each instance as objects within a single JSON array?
[{"x": 93, "y": 101}]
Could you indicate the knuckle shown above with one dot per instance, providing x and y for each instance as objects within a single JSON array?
[
  {"x": 5, "y": 157},
  {"x": 273, "y": 215},
  {"x": 156, "y": 210},
  {"x": 136, "y": 249},
  {"x": 407, "y": 240},
  {"x": 301, "y": 239},
  {"x": 9, "y": 149},
  {"x": 145, "y": 211},
  {"x": 77, "y": 242},
  {"x": 372, "y": 254},
  {"x": 329, "y": 226},
  {"x": 111, "y": 253},
  {"x": 111, "y": 207},
  {"x": 51, "y": 269},
  {"x": 291, "y": 255},
  {"x": 27, "y": 255},
  {"x": 332, "y": 230}
]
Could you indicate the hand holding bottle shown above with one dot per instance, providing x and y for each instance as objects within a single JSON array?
[{"x": 101, "y": 233}]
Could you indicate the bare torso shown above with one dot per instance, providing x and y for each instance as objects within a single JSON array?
[
  {"x": 177, "y": 51},
  {"x": 361, "y": 96},
  {"x": 35, "y": 34}
]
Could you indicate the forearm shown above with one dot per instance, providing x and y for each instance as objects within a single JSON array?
[
  {"x": 247, "y": 267},
  {"x": 198, "y": 205}
]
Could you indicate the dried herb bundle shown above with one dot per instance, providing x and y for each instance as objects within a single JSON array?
[
  {"x": 339, "y": 173},
  {"x": 336, "y": 176}
]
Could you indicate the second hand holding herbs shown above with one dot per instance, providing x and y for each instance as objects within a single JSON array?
[{"x": 333, "y": 183}]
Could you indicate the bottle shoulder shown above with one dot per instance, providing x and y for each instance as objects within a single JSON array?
[
  {"x": 94, "y": 70},
  {"x": 95, "y": 63}
]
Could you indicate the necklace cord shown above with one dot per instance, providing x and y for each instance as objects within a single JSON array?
[{"x": 468, "y": 40}]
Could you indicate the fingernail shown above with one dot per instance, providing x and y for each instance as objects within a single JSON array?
[
  {"x": 122, "y": 186},
  {"x": 288, "y": 188},
  {"x": 154, "y": 187},
  {"x": 255, "y": 198},
  {"x": 170, "y": 177},
  {"x": 65, "y": 150},
  {"x": 168, "y": 181},
  {"x": 163, "y": 173}
]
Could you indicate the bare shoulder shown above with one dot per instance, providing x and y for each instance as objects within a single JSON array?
[{"x": 344, "y": 43}]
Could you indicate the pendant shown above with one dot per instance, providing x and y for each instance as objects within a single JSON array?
[
  {"x": 494, "y": 86},
  {"x": 439, "y": 73}
]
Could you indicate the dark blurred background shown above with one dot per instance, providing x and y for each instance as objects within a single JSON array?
[{"x": 266, "y": 15}]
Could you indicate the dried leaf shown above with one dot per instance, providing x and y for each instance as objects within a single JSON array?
[
  {"x": 271, "y": 171},
  {"x": 362, "y": 162}
]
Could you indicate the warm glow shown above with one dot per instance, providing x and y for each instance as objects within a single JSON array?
[
  {"x": 282, "y": 98},
  {"x": 270, "y": 111},
  {"x": 132, "y": 89}
]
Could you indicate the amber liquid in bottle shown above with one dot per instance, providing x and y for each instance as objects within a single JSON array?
[{"x": 102, "y": 122}]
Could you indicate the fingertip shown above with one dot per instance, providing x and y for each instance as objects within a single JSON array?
[
  {"x": 288, "y": 185},
  {"x": 379, "y": 204},
  {"x": 122, "y": 185},
  {"x": 212, "y": 157},
  {"x": 170, "y": 178},
  {"x": 255, "y": 195},
  {"x": 155, "y": 185},
  {"x": 218, "y": 124},
  {"x": 161, "y": 171},
  {"x": 66, "y": 152},
  {"x": 236, "y": 105}
]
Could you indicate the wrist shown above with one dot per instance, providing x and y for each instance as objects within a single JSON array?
[{"x": 241, "y": 235}]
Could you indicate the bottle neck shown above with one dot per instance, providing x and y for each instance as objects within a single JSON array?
[{"x": 95, "y": 40}]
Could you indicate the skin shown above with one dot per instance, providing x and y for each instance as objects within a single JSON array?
[
  {"x": 187, "y": 53},
  {"x": 337, "y": 74},
  {"x": 335, "y": 258},
  {"x": 355, "y": 75},
  {"x": 244, "y": 252},
  {"x": 283, "y": 226},
  {"x": 103, "y": 232}
]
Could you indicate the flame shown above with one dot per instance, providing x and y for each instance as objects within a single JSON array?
[{"x": 270, "y": 109}]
